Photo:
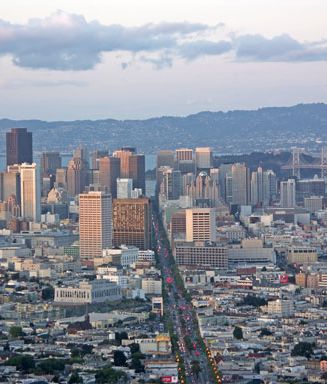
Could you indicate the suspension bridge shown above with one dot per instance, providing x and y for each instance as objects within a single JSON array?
[{"x": 297, "y": 162}]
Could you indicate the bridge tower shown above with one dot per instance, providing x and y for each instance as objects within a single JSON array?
[
  {"x": 296, "y": 171},
  {"x": 323, "y": 162}
]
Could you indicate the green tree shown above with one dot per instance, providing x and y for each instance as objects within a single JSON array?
[
  {"x": 75, "y": 378},
  {"x": 137, "y": 365},
  {"x": 265, "y": 332},
  {"x": 238, "y": 333},
  {"x": 119, "y": 336},
  {"x": 119, "y": 359},
  {"x": 48, "y": 293},
  {"x": 303, "y": 349},
  {"x": 195, "y": 368},
  {"x": 108, "y": 375},
  {"x": 22, "y": 362},
  {"x": 51, "y": 366},
  {"x": 134, "y": 347},
  {"x": 16, "y": 331}
]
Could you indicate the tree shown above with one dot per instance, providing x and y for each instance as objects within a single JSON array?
[
  {"x": 195, "y": 368},
  {"x": 303, "y": 349},
  {"x": 265, "y": 332},
  {"x": 51, "y": 366},
  {"x": 16, "y": 331},
  {"x": 22, "y": 362},
  {"x": 108, "y": 375},
  {"x": 137, "y": 365},
  {"x": 119, "y": 336},
  {"x": 48, "y": 293},
  {"x": 119, "y": 359},
  {"x": 75, "y": 378},
  {"x": 134, "y": 347},
  {"x": 238, "y": 333}
]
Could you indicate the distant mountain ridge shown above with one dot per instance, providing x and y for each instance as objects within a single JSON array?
[{"x": 239, "y": 131}]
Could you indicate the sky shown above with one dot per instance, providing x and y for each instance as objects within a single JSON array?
[{"x": 131, "y": 59}]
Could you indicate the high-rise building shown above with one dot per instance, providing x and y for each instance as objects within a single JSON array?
[
  {"x": 19, "y": 146},
  {"x": 269, "y": 187},
  {"x": 166, "y": 158},
  {"x": 185, "y": 160},
  {"x": 240, "y": 184},
  {"x": 10, "y": 185},
  {"x": 171, "y": 186},
  {"x": 203, "y": 158},
  {"x": 313, "y": 203},
  {"x": 50, "y": 162},
  {"x": 132, "y": 166},
  {"x": 137, "y": 171},
  {"x": 224, "y": 170},
  {"x": 287, "y": 193},
  {"x": 96, "y": 155},
  {"x": 204, "y": 192},
  {"x": 132, "y": 222},
  {"x": 124, "y": 154},
  {"x": 30, "y": 192},
  {"x": 124, "y": 188},
  {"x": 200, "y": 224},
  {"x": 95, "y": 224},
  {"x": 109, "y": 172},
  {"x": 257, "y": 187},
  {"x": 61, "y": 178},
  {"x": 78, "y": 172}
]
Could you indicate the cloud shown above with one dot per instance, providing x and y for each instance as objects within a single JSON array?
[
  {"x": 281, "y": 48},
  {"x": 68, "y": 42},
  {"x": 24, "y": 83}
]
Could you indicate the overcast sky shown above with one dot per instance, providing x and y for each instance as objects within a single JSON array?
[{"x": 77, "y": 59}]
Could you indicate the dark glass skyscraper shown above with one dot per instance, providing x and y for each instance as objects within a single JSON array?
[{"x": 19, "y": 146}]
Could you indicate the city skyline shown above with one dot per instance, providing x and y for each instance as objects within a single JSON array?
[{"x": 181, "y": 60}]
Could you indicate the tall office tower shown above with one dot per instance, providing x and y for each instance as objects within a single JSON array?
[
  {"x": 166, "y": 158},
  {"x": 204, "y": 192},
  {"x": 257, "y": 187},
  {"x": 200, "y": 224},
  {"x": 171, "y": 186},
  {"x": 132, "y": 222},
  {"x": 124, "y": 154},
  {"x": 187, "y": 182},
  {"x": 95, "y": 224},
  {"x": 124, "y": 188},
  {"x": 229, "y": 188},
  {"x": 214, "y": 174},
  {"x": 10, "y": 185},
  {"x": 96, "y": 155},
  {"x": 78, "y": 172},
  {"x": 50, "y": 162},
  {"x": 30, "y": 192},
  {"x": 61, "y": 178},
  {"x": 203, "y": 158},
  {"x": 224, "y": 169},
  {"x": 240, "y": 184},
  {"x": 287, "y": 193},
  {"x": 19, "y": 146},
  {"x": 137, "y": 171},
  {"x": 185, "y": 160},
  {"x": 269, "y": 187},
  {"x": 132, "y": 166},
  {"x": 109, "y": 172}
]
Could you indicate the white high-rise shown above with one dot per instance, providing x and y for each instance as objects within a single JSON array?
[
  {"x": 287, "y": 193},
  {"x": 30, "y": 192},
  {"x": 124, "y": 188}
]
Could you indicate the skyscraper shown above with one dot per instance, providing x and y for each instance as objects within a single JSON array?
[
  {"x": 50, "y": 162},
  {"x": 257, "y": 187},
  {"x": 19, "y": 148},
  {"x": 30, "y": 192},
  {"x": 240, "y": 184},
  {"x": 203, "y": 158},
  {"x": 124, "y": 188},
  {"x": 132, "y": 166},
  {"x": 109, "y": 171},
  {"x": 132, "y": 222},
  {"x": 171, "y": 186},
  {"x": 287, "y": 193},
  {"x": 184, "y": 160},
  {"x": 200, "y": 224},
  {"x": 95, "y": 224},
  {"x": 77, "y": 172}
]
